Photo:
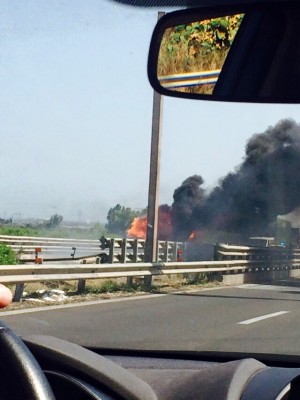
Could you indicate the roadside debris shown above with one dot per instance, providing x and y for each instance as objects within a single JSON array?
[{"x": 43, "y": 296}]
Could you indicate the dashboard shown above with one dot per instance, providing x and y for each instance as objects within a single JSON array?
[
  {"x": 41, "y": 367},
  {"x": 79, "y": 373}
]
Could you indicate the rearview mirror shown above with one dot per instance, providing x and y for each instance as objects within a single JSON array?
[{"x": 231, "y": 53}]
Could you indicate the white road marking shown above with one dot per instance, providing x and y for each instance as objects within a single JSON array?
[
  {"x": 277, "y": 288},
  {"x": 266, "y": 316}
]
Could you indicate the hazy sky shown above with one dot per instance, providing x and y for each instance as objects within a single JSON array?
[{"x": 76, "y": 111}]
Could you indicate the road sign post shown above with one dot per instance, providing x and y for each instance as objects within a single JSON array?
[{"x": 152, "y": 214}]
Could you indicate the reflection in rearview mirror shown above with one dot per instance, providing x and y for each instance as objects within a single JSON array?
[{"x": 191, "y": 56}]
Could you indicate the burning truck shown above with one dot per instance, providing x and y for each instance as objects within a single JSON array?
[{"x": 245, "y": 203}]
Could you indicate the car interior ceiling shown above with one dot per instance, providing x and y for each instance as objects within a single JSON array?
[
  {"x": 284, "y": 74},
  {"x": 263, "y": 58}
]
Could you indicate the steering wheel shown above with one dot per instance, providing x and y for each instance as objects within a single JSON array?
[{"x": 21, "y": 376}]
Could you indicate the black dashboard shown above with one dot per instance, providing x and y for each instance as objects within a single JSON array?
[
  {"x": 42, "y": 367},
  {"x": 79, "y": 373}
]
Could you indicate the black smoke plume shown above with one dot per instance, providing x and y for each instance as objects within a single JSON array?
[
  {"x": 247, "y": 201},
  {"x": 187, "y": 198}
]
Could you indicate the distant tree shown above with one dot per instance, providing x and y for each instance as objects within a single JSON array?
[
  {"x": 4, "y": 221},
  {"x": 119, "y": 219},
  {"x": 54, "y": 221}
]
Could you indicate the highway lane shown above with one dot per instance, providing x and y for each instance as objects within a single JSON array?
[{"x": 208, "y": 320}]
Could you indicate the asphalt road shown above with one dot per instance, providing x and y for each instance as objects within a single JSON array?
[{"x": 209, "y": 320}]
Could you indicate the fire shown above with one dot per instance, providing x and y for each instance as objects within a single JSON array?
[
  {"x": 138, "y": 227},
  {"x": 193, "y": 236},
  {"x": 196, "y": 235}
]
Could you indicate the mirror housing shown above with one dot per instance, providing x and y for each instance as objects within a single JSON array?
[{"x": 245, "y": 53}]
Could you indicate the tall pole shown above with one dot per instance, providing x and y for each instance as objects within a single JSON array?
[{"x": 152, "y": 213}]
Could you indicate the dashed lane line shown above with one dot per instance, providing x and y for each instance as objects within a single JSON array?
[{"x": 262, "y": 317}]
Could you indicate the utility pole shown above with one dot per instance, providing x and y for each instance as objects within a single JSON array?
[{"x": 152, "y": 214}]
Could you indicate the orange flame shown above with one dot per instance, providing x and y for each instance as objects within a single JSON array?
[
  {"x": 138, "y": 228},
  {"x": 196, "y": 235},
  {"x": 193, "y": 236}
]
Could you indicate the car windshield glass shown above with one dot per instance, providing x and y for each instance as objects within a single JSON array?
[{"x": 76, "y": 125}]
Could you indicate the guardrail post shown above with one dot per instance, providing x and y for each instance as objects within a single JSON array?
[
  {"x": 124, "y": 259},
  {"x": 176, "y": 249},
  {"x": 159, "y": 251},
  {"x": 169, "y": 251},
  {"x": 135, "y": 252},
  {"x": 111, "y": 251},
  {"x": 18, "y": 292},
  {"x": 217, "y": 255},
  {"x": 82, "y": 282},
  {"x": 129, "y": 281},
  {"x": 104, "y": 242},
  {"x": 140, "y": 256},
  {"x": 73, "y": 252},
  {"x": 162, "y": 251}
]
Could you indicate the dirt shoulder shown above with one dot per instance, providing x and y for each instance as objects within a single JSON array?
[{"x": 65, "y": 292}]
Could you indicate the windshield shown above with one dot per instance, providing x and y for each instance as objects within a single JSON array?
[{"x": 76, "y": 123}]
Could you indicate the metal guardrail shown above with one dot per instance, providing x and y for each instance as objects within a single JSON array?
[
  {"x": 235, "y": 259},
  {"x": 15, "y": 274},
  {"x": 110, "y": 250},
  {"x": 189, "y": 79},
  {"x": 132, "y": 250},
  {"x": 28, "y": 248},
  {"x": 231, "y": 252},
  {"x": 33, "y": 273}
]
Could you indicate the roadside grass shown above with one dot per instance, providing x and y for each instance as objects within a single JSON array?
[
  {"x": 7, "y": 255},
  {"x": 94, "y": 232},
  {"x": 17, "y": 231},
  {"x": 100, "y": 289},
  {"x": 111, "y": 286}
]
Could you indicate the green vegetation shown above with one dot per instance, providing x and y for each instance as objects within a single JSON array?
[
  {"x": 199, "y": 46},
  {"x": 18, "y": 231},
  {"x": 54, "y": 222},
  {"x": 94, "y": 232},
  {"x": 7, "y": 255},
  {"x": 119, "y": 219}
]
